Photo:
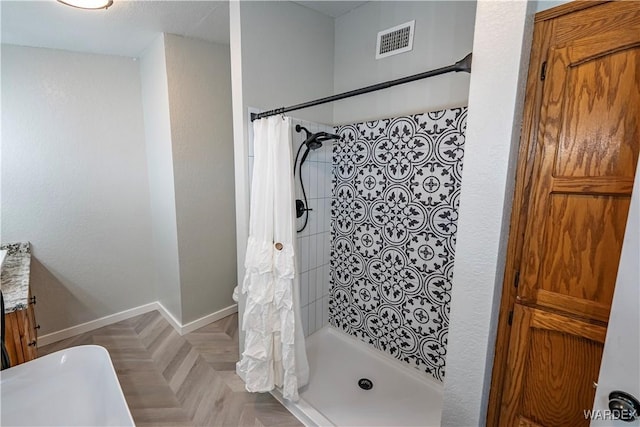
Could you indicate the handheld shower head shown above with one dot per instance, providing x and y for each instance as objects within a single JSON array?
[{"x": 314, "y": 141}]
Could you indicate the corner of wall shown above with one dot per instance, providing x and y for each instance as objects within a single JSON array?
[
  {"x": 240, "y": 147},
  {"x": 157, "y": 125},
  {"x": 199, "y": 88},
  {"x": 502, "y": 34}
]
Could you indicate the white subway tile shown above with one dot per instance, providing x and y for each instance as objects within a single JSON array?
[
  {"x": 304, "y": 254},
  {"x": 299, "y": 223},
  {"x": 319, "y": 316},
  {"x": 304, "y": 313},
  {"x": 311, "y": 313},
  {"x": 304, "y": 289},
  {"x": 321, "y": 156},
  {"x": 313, "y": 251},
  {"x": 312, "y": 224},
  {"x": 312, "y": 184},
  {"x": 326, "y": 252},
  {"x": 327, "y": 173},
  {"x": 326, "y": 279},
  {"x": 296, "y": 186},
  {"x": 325, "y": 310},
  {"x": 312, "y": 285},
  {"x": 320, "y": 287},
  {"x": 298, "y": 254},
  {"x": 327, "y": 212},
  {"x": 320, "y": 216},
  {"x": 313, "y": 127},
  {"x": 306, "y": 174},
  {"x": 324, "y": 180},
  {"x": 323, "y": 223}
]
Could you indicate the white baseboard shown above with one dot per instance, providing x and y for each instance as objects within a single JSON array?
[
  {"x": 209, "y": 318},
  {"x": 133, "y": 312},
  {"x": 169, "y": 317},
  {"x": 95, "y": 324}
]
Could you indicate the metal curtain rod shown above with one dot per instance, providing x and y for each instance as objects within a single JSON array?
[{"x": 462, "y": 65}]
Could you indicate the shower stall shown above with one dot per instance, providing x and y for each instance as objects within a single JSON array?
[
  {"x": 376, "y": 247},
  {"x": 377, "y": 200}
]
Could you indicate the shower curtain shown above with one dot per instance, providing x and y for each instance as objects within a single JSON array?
[{"x": 274, "y": 352}]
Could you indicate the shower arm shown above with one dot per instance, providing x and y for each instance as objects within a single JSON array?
[{"x": 464, "y": 65}]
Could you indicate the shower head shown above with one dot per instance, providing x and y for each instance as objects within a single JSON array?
[
  {"x": 313, "y": 143},
  {"x": 315, "y": 140}
]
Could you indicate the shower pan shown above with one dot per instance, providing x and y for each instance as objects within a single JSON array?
[{"x": 334, "y": 397}]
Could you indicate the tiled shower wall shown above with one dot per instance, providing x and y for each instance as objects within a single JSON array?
[
  {"x": 314, "y": 241},
  {"x": 394, "y": 213}
]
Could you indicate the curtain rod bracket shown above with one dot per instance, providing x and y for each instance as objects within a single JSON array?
[{"x": 464, "y": 64}]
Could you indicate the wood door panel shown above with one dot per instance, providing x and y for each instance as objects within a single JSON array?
[
  {"x": 558, "y": 380},
  {"x": 525, "y": 422},
  {"x": 589, "y": 144},
  {"x": 582, "y": 234},
  {"x": 588, "y": 186},
  {"x": 595, "y": 20},
  {"x": 587, "y": 148},
  {"x": 552, "y": 366}
]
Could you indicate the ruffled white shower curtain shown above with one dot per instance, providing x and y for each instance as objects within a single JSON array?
[{"x": 274, "y": 351}]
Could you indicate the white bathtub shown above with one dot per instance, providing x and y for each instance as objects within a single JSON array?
[
  {"x": 401, "y": 395},
  {"x": 73, "y": 387}
]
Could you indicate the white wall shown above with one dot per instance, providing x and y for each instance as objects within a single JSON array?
[
  {"x": 501, "y": 49},
  {"x": 157, "y": 123},
  {"x": 74, "y": 178},
  {"x": 620, "y": 369},
  {"x": 548, "y": 4},
  {"x": 287, "y": 57},
  {"x": 443, "y": 35},
  {"x": 199, "y": 83}
]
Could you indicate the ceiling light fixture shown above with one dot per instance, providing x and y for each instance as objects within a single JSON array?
[{"x": 88, "y": 4}]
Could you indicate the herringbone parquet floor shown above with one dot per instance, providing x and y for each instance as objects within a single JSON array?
[{"x": 173, "y": 380}]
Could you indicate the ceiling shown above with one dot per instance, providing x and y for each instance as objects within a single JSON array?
[
  {"x": 332, "y": 8},
  {"x": 128, "y": 26}
]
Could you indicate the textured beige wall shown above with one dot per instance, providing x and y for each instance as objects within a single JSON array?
[
  {"x": 199, "y": 81},
  {"x": 74, "y": 181}
]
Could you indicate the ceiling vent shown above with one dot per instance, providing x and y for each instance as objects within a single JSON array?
[{"x": 395, "y": 40}]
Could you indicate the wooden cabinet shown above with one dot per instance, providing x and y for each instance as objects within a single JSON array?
[
  {"x": 578, "y": 156},
  {"x": 21, "y": 334}
]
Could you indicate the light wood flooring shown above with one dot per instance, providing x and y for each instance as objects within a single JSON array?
[{"x": 173, "y": 380}]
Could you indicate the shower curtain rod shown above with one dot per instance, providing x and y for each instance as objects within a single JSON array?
[{"x": 462, "y": 65}]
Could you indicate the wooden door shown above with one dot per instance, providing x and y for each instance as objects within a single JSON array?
[
  {"x": 551, "y": 369},
  {"x": 590, "y": 131},
  {"x": 574, "y": 205}
]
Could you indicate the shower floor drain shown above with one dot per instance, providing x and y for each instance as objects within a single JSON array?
[{"x": 365, "y": 383}]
